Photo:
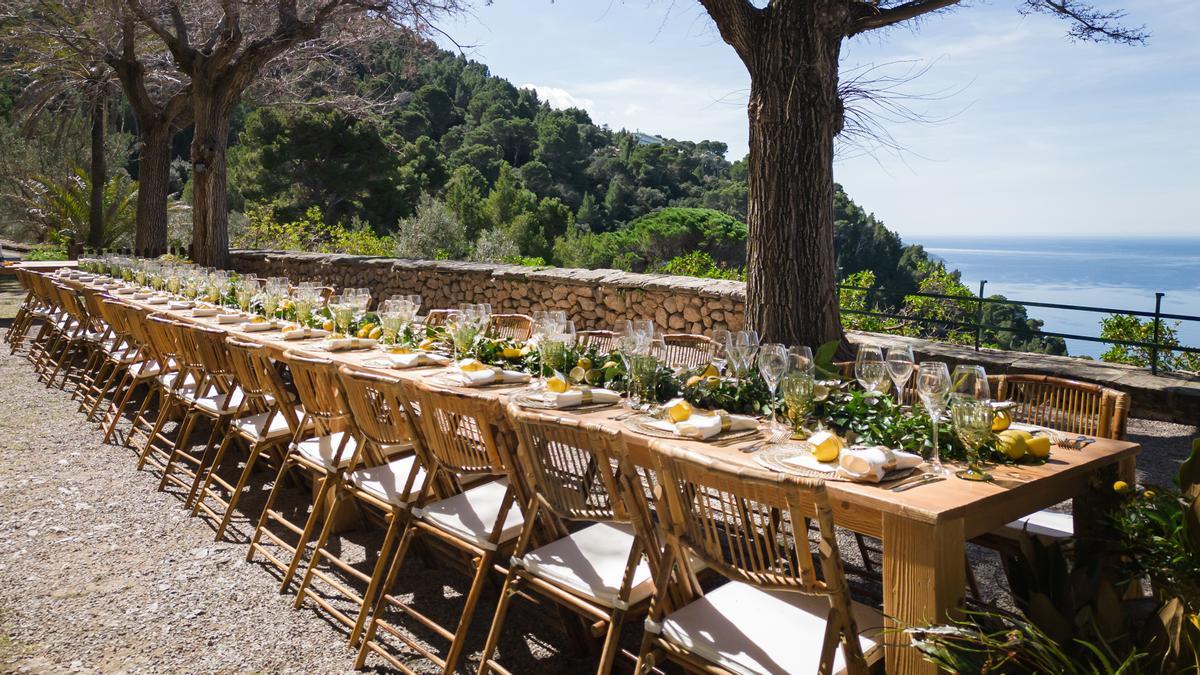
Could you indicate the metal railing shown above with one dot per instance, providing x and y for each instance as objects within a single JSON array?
[{"x": 1156, "y": 347}]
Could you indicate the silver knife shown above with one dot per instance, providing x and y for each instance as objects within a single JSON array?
[{"x": 917, "y": 483}]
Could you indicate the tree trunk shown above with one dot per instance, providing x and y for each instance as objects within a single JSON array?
[
  {"x": 154, "y": 178},
  {"x": 98, "y": 174},
  {"x": 795, "y": 113},
  {"x": 210, "y": 215}
]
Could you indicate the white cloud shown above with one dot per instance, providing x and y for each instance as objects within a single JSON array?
[{"x": 560, "y": 98}]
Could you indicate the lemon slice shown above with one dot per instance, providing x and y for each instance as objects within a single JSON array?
[
  {"x": 427, "y": 345},
  {"x": 375, "y": 333},
  {"x": 556, "y": 384},
  {"x": 680, "y": 411},
  {"x": 577, "y": 374},
  {"x": 693, "y": 381},
  {"x": 1001, "y": 421}
]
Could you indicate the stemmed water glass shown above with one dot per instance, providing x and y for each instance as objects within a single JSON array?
[
  {"x": 933, "y": 386},
  {"x": 900, "y": 368},
  {"x": 271, "y": 293},
  {"x": 247, "y": 288},
  {"x": 869, "y": 368},
  {"x": 305, "y": 299},
  {"x": 773, "y": 361},
  {"x": 797, "y": 387},
  {"x": 343, "y": 313},
  {"x": 721, "y": 337},
  {"x": 742, "y": 347},
  {"x": 970, "y": 382},
  {"x": 973, "y": 424}
]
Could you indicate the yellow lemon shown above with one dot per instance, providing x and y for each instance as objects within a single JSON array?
[
  {"x": 826, "y": 446},
  {"x": 1001, "y": 421},
  {"x": 258, "y": 319},
  {"x": 397, "y": 349},
  {"x": 584, "y": 362},
  {"x": 328, "y": 325},
  {"x": 693, "y": 381},
  {"x": 511, "y": 353},
  {"x": 1151, "y": 494},
  {"x": 1022, "y": 433},
  {"x": 578, "y": 374},
  {"x": 713, "y": 380},
  {"x": 288, "y": 304},
  {"x": 470, "y": 365},
  {"x": 595, "y": 376},
  {"x": 608, "y": 364},
  {"x": 427, "y": 344},
  {"x": 1038, "y": 446},
  {"x": 557, "y": 384},
  {"x": 375, "y": 333},
  {"x": 680, "y": 411},
  {"x": 1011, "y": 446},
  {"x": 1121, "y": 487},
  {"x": 711, "y": 371}
]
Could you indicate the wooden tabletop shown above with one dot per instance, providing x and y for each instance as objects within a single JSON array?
[{"x": 38, "y": 265}]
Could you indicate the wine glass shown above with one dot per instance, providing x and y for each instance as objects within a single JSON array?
[
  {"x": 773, "y": 361},
  {"x": 802, "y": 359},
  {"x": 343, "y": 314},
  {"x": 973, "y": 424},
  {"x": 247, "y": 287},
  {"x": 970, "y": 382},
  {"x": 797, "y": 387},
  {"x": 870, "y": 368},
  {"x": 933, "y": 385},
  {"x": 721, "y": 337},
  {"x": 744, "y": 348},
  {"x": 900, "y": 368}
]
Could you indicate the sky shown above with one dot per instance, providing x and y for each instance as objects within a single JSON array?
[{"x": 1024, "y": 132}]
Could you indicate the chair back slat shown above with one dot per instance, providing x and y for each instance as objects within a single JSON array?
[
  {"x": 685, "y": 350},
  {"x": 317, "y": 382},
  {"x": 1066, "y": 405},
  {"x": 517, "y": 327},
  {"x": 459, "y": 429},
  {"x": 377, "y": 412},
  {"x": 439, "y": 317},
  {"x": 572, "y": 467},
  {"x": 261, "y": 383},
  {"x": 601, "y": 340}
]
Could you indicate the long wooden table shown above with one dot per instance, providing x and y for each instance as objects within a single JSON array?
[{"x": 924, "y": 530}]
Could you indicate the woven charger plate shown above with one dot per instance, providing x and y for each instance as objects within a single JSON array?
[
  {"x": 644, "y": 424},
  {"x": 774, "y": 457}
]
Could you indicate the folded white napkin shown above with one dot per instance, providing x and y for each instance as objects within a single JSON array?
[
  {"x": 229, "y": 318},
  {"x": 304, "y": 333},
  {"x": 478, "y": 378},
  {"x": 870, "y": 465},
  {"x": 341, "y": 344},
  {"x": 205, "y": 311},
  {"x": 119, "y": 290},
  {"x": 141, "y": 295},
  {"x": 417, "y": 359},
  {"x": 156, "y": 300},
  {"x": 576, "y": 397},
  {"x": 179, "y": 304},
  {"x": 703, "y": 427},
  {"x": 252, "y": 327}
]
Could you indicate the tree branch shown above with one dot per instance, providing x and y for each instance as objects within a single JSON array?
[
  {"x": 735, "y": 20},
  {"x": 873, "y": 17},
  {"x": 1089, "y": 24},
  {"x": 183, "y": 54}
]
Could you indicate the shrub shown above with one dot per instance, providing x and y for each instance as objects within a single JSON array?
[
  {"x": 700, "y": 264},
  {"x": 432, "y": 233},
  {"x": 47, "y": 252},
  {"x": 308, "y": 233}
]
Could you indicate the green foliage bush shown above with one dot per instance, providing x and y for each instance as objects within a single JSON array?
[
  {"x": 1133, "y": 329},
  {"x": 309, "y": 232},
  {"x": 47, "y": 252},
  {"x": 654, "y": 239}
]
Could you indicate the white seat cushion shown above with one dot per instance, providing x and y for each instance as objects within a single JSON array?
[
  {"x": 748, "y": 630},
  {"x": 591, "y": 563},
  {"x": 1046, "y": 523},
  {"x": 255, "y": 426},
  {"x": 387, "y": 481},
  {"x": 470, "y": 515},
  {"x": 321, "y": 450},
  {"x": 168, "y": 379},
  {"x": 217, "y": 403},
  {"x": 144, "y": 370}
]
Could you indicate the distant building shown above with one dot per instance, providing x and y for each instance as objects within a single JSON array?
[{"x": 647, "y": 139}]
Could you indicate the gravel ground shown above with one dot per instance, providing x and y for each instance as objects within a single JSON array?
[{"x": 101, "y": 572}]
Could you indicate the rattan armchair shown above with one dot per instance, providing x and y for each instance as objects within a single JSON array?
[
  {"x": 685, "y": 350},
  {"x": 518, "y": 327}
]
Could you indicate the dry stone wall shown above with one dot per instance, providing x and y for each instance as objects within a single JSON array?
[{"x": 594, "y": 299}]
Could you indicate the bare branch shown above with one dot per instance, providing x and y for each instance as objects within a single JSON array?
[
  {"x": 873, "y": 17},
  {"x": 1089, "y": 24}
]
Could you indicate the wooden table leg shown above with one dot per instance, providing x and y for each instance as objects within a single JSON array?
[{"x": 924, "y": 571}]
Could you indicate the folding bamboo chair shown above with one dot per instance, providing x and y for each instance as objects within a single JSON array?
[
  {"x": 383, "y": 478},
  {"x": 116, "y": 353},
  {"x": 219, "y": 399},
  {"x": 145, "y": 371},
  {"x": 438, "y": 317},
  {"x": 684, "y": 350},
  {"x": 602, "y": 340},
  {"x": 32, "y": 309},
  {"x": 177, "y": 388},
  {"x": 268, "y": 421},
  {"x": 1071, "y": 407},
  {"x": 324, "y": 456},
  {"x": 518, "y": 327},
  {"x": 774, "y": 614},
  {"x": 575, "y": 472},
  {"x": 465, "y": 436}
]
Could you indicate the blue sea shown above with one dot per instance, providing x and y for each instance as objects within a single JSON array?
[{"x": 1118, "y": 273}]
